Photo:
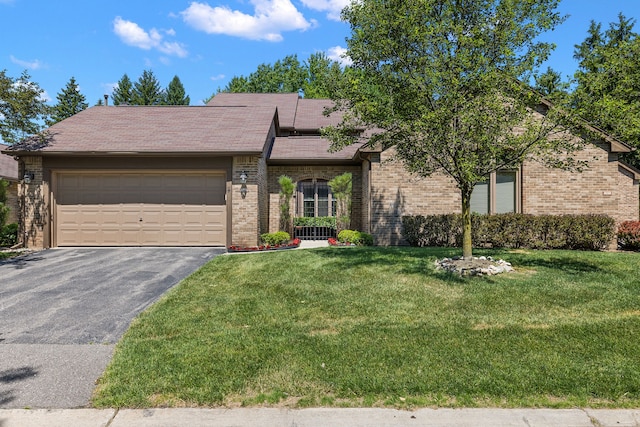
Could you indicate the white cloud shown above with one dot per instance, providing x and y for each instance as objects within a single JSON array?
[
  {"x": 270, "y": 19},
  {"x": 332, "y": 7},
  {"x": 338, "y": 53},
  {"x": 218, "y": 77},
  {"x": 31, "y": 65},
  {"x": 132, "y": 34}
]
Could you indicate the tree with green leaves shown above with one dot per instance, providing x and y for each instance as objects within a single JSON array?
[
  {"x": 22, "y": 108},
  {"x": 317, "y": 77},
  {"x": 608, "y": 81},
  {"x": 286, "y": 192},
  {"x": 175, "y": 93},
  {"x": 551, "y": 85},
  {"x": 123, "y": 92},
  {"x": 440, "y": 81},
  {"x": 322, "y": 76},
  {"x": 341, "y": 187},
  {"x": 70, "y": 102},
  {"x": 147, "y": 90}
]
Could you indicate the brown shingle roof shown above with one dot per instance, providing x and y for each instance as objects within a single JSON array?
[
  {"x": 285, "y": 102},
  {"x": 8, "y": 166},
  {"x": 166, "y": 129},
  {"x": 310, "y": 114},
  {"x": 308, "y": 149}
]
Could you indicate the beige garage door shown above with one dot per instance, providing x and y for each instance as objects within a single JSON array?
[{"x": 140, "y": 209}]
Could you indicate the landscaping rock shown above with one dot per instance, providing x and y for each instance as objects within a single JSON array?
[{"x": 476, "y": 266}]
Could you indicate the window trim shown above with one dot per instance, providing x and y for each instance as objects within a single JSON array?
[
  {"x": 300, "y": 211},
  {"x": 492, "y": 181}
]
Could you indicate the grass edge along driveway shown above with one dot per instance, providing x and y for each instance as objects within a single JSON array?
[{"x": 355, "y": 327}]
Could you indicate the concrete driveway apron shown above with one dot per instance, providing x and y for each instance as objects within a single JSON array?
[{"x": 63, "y": 310}]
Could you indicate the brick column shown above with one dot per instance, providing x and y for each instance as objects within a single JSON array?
[
  {"x": 33, "y": 212},
  {"x": 245, "y": 222}
]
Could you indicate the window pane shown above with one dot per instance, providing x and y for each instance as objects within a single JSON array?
[
  {"x": 505, "y": 192},
  {"x": 308, "y": 197},
  {"x": 323, "y": 199},
  {"x": 480, "y": 198}
]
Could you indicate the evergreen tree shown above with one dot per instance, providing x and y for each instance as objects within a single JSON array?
[
  {"x": 147, "y": 90},
  {"x": 608, "y": 81},
  {"x": 123, "y": 92},
  {"x": 70, "y": 102},
  {"x": 175, "y": 93}
]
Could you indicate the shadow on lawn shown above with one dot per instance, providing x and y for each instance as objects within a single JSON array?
[{"x": 414, "y": 260}]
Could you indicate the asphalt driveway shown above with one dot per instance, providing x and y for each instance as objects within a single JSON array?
[{"x": 63, "y": 310}]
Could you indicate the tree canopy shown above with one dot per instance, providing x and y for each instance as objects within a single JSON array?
[
  {"x": 23, "y": 111},
  {"x": 317, "y": 77},
  {"x": 608, "y": 81},
  {"x": 123, "y": 92},
  {"x": 147, "y": 90},
  {"x": 441, "y": 81},
  {"x": 70, "y": 102}
]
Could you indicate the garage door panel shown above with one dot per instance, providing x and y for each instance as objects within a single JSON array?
[{"x": 132, "y": 209}]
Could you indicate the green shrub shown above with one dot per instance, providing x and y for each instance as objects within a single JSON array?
[
  {"x": 315, "y": 221},
  {"x": 275, "y": 239},
  {"x": 587, "y": 232},
  {"x": 9, "y": 235},
  {"x": 355, "y": 238},
  {"x": 629, "y": 235}
]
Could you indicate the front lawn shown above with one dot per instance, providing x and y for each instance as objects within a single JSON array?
[{"x": 380, "y": 327}]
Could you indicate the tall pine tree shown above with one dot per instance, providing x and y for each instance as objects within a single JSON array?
[
  {"x": 123, "y": 92},
  {"x": 175, "y": 93},
  {"x": 147, "y": 90},
  {"x": 70, "y": 102}
]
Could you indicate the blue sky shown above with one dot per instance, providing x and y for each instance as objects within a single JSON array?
[{"x": 204, "y": 42}]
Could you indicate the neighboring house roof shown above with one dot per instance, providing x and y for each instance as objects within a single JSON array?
[
  {"x": 287, "y": 103},
  {"x": 8, "y": 165},
  {"x": 309, "y": 149},
  {"x": 160, "y": 129}
]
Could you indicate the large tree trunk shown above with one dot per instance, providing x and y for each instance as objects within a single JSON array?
[{"x": 467, "y": 244}]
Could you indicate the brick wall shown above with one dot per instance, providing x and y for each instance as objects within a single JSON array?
[
  {"x": 245, "y": 222},
  {"x": 35, "y": 204},
  {"x": 300, "y": 173},
  {"x": 12, "y": 202},
  {"x": 603, "y": 188},
  {"x": 395, "y": 193},
  {"x": 597, "y": 190}
]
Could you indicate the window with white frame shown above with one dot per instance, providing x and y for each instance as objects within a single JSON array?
[
  {"x": 498, "y": 194},
  {"x": 315, "y": 198}
]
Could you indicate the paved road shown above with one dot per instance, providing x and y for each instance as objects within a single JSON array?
[{"x": 63, "y": 310}]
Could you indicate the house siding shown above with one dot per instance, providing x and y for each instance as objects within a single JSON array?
[
  {"x": 33, "y": 230},
  {"x": 12, "y": 201},
  {"x": 300, "y": 173},
  {"x": 602, "y": 188}
]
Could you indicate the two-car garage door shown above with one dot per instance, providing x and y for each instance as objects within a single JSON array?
[{"x": 115, "y": 208}]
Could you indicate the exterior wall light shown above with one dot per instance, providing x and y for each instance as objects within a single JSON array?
[
  {"x": 28, "y": 177},
  {"x": 243, "y": 191},
  {"x": 243, "y": 177}
]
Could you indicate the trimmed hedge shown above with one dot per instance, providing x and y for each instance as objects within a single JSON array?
[
  {"x": 629, "y": 235},
  {"x": 354, "y": 237},
  {"x": 275, "y": 239},
  {"x": 315, "y": 221},
  {"x": 585, "y": 232}
]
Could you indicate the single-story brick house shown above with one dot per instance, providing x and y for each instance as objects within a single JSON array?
[
  {"x": 208, "y": 175},
  {"x": 9, "y": 173}
]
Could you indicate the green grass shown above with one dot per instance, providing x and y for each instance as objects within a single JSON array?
[
  {"x": 7, "y": 255},
  {"x": 380, "y": 327}
]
